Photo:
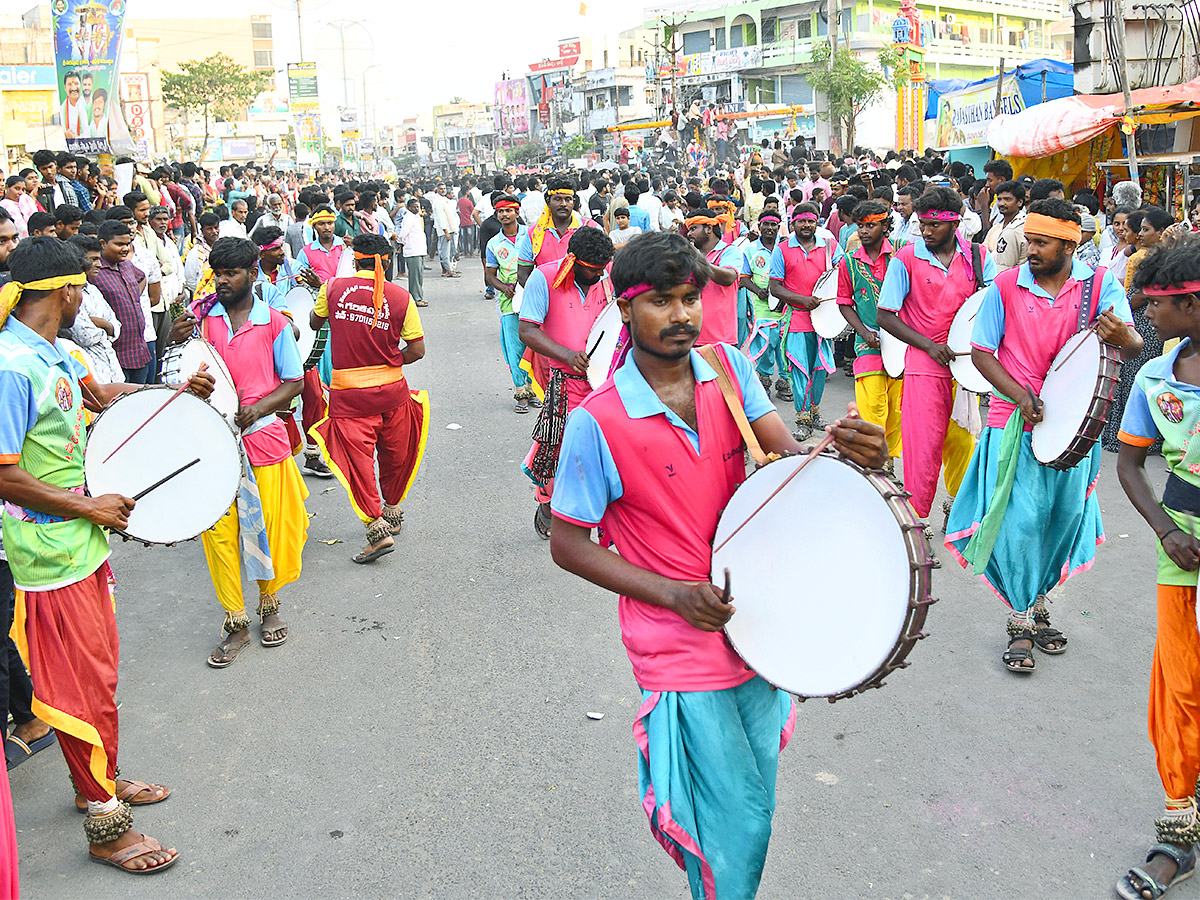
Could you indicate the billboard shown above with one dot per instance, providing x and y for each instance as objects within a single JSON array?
[
  {"x": 302, "y": 86},
  {"x": 87, "y": 53},
  {"x": 308, "y": 138},
  {"x": 348, "y": 119},
  {"x": 568, "y": 55},
  {"x": 511, "y": 109},
  {"x": 964, "y": 115}
]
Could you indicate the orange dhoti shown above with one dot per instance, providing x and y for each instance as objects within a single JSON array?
[
  {"x": 350, "y": 445},
  {"x": 68, "y": 640},
  {"x": 1174, "y": 719}
]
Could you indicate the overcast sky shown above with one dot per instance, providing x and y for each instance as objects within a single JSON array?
[{"x": 426, "y": 51}]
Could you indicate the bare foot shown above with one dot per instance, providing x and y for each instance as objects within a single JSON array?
[{"x": 33, "y": 730}]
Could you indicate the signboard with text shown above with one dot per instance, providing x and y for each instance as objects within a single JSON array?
[
  {"x": 964, "y": 115},
  {"x": 302, "y": 86}
]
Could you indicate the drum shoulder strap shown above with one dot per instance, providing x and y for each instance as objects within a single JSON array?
[
  {"x": 977, "y": 265},
  {"x": 711, "y": 356},
  {"x": 1085, "y": 302}
]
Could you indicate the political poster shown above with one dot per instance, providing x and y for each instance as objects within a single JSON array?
[{"x": 87, "y": 53}]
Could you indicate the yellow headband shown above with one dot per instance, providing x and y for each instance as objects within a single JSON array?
[
  {"x": 567, "y": 191},
  {"x": 10, "y": 294},
  {"x": 1048, "y": 226},
  {"x": 322, "y": 215}
]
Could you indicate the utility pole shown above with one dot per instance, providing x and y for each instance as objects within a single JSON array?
[
  {"x": 1123, "y": 68},
  {"x": 299, "y": 31},
  {"x": 999, "y": 96}
]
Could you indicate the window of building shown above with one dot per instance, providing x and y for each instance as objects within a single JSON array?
[
  {"x": 260, "y": 30},
  {"x": 719, "y": 43},
  {"x": 263, "y": 59},
  {"x": 696, "y": 42},
  {"x": 623, "y": 95},
  {"x": 770, "y": 31},
  {"x": 795, "y": 89},
  {"x": 822, "y": 25},
  {"x": 742, "y": 34},
  {"x": 804, "y": 28}
]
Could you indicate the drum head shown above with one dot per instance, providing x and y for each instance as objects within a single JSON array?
[
  {"x": 1067, "y": 396},
  {"x": 516, "y": 300},
  {"x": 298, "y": 303},
  {"x": 892, "y": 349},
  {"x": 962, "y": 368},
  {"x": 827, "y": 319},
  {"x": 183, "y": 361},
  {"x": 605, "y": 330},
  {"x": 827, "y": 620},
  {"x": 188, "y": 429}
]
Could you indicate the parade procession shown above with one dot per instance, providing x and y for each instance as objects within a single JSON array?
[{"x": 765, "y": 425}]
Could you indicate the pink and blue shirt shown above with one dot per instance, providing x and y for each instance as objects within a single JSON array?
[
  {"x": 798, "y": 270},
  {"x": 658, "y": 487},
  {"x": 718, "y": 303},
  {"x": 564, "y": 314}
]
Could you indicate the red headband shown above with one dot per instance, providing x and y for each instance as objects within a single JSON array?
[
  {"x": 940, "y": 215},
  {"x": 630, "y": 292},
  {"x": 1172, "y": 290},
  {"x": 507, "y": 204}
]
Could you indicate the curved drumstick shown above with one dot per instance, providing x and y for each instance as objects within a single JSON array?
[
  {"x": 179, "y": 390},
  {"x": 596, "y": 345}
]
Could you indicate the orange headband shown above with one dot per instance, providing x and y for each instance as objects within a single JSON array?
[
  {"x": 377, "y": 292},
  {"x": 877, "y": 217},
  {"x": 702, "y": 219},
  {"x": 1048, "y": 226}
]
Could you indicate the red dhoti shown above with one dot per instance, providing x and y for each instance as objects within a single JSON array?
[
  {"x": 397, "y": 436},
  {"x": 68, "y": 639},
  {"x": 313, "y": 410}
]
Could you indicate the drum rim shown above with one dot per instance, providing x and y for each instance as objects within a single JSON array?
[
  {"x": 176, "y": 350},
  {"x": 920, "y": 596},
  {"x": 241, "y": 450},
  {"x": 1103, "y": 392},
  {"x": 611, "y": 304}
]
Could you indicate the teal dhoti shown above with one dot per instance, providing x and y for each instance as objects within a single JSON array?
[
  {"x": 706, "y": 771},
  {"x": 513, "y": 349}
]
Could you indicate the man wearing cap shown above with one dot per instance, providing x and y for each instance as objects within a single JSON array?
[
  {"x": 547, "y": 241},
  {"x": 756, "y": 280},
  {"x": 500, "y": 273},
  {"x": 1022, "y": 526},
  {"x": 927, "y": 281},
  {"x": 374, "y": 417},
  {"x": 719, "y": 297},
  {"x": 796, "y": 264},
  {"x": 317, "y": 264}
]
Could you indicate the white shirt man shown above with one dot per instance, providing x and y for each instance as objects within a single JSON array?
[
  {"x": 653, "y": 207},
  {"x": 531, "y": 208}
]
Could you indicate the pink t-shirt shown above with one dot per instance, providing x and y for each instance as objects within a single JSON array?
[
  {"x": 664, "y": 522},
  {"x": 934, "y": 297},
  {"x": 250, "y": 357},
  {"x": 801, "y": 271},
  {"x": 719, "y": 303}
]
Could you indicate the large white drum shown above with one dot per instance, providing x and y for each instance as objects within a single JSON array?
[
  {"x": 827, "y": 318},
  {"x": 189, "y": 433},
  {"x": 1076, "y": 397},
  {"x": 603, "y": 336},
  {"x": 797, "y": 625},
  {"x": 961, "y": 367},
  {"x": 182, "y": 361},
  {"x": 892, "y": 349},
  {"x": 298, "y": 303}
]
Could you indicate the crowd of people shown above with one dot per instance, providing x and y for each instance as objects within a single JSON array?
[{"x": 716, "y": 272}]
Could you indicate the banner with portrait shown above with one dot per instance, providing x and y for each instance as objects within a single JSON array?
[{"x": 87, "y": 53}]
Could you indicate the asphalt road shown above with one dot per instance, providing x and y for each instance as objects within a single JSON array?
[{"x": 424, "y": 734}]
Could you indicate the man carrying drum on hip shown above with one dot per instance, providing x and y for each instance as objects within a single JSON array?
[
  {"x": 709, "y": 731},
  {"x": 267, "y": 526},
  {"x": 1026, "y": 527},
  {"x": 57, "y": 546}
]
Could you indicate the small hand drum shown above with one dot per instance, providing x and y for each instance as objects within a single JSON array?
[
  {"x": 189, "y": 434},
  {"x": 848, "y": 606}
]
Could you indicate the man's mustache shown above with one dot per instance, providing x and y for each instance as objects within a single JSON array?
[{"x": 679, "y": 331}]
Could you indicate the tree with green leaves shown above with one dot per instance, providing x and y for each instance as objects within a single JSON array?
[
  {"x": 528, "y": 154},
  {"x": 850, "y": 84},
  {"x": 216, "y": 89}
]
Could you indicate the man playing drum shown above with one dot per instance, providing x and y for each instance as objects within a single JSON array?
[
  {"x": 860, "y": 276},
  {"x": 560, "y": 303},
  {"x": 1045, "y": 522},
  {"x": 796, "y": 264},
  {"x": 1165, "y": 403},
  {"x": 500, "y": 273},
  {"x": 374, "y": 331},
  {"x": 57, "y": 546},
  {"x": 268, "y": 521},
  {"x": 709, "y": 731},
  {"x": 926, "y": 282}
]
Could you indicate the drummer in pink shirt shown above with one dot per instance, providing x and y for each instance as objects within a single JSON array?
[
  {"x": 1048, "y": 520},
  {"x": 926, "y": 283},
  {"x": 654, "y": 456},
  {"x": 561, "y": 301}
]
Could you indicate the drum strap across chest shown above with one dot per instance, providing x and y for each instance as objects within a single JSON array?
[{"x": 711, "y": 356}]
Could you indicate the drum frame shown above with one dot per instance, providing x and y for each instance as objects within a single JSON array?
[
  {"x": 920, "y": 596},
  {"x": 1089, "y": 432},
  {"x": 166, "y": 390}
]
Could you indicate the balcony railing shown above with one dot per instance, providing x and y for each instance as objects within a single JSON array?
[{"x": 945, "y": 51}]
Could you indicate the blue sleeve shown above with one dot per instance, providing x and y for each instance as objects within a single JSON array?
[
  {"x": 302, "y": 260},
  {"x": 1137, "y": 420},
  {"x": 525, "y": 249},
  {"x": 288, "y": 364},
  {"x": 895, "y": 286},
  {"x": 989, "y": 321},
  {"x": 535, "y": 302},
  {"x": 1112, "y": 296},
  {"x": 18, "y": 413},
  {"x": 746, "y": 270},
  {"x": 587, "y": 479},
  {"x": 777, "y": 271},
  {"x": 733, "y": 258},
  {"x": 838, "y": 253},
  {"x": 754, "y": 397},
  {"x": 989, "y": 269},
  {"x": 490, "y": 257}
]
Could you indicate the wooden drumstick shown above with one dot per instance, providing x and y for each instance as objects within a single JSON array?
[
  {"x": 165, "y": 479},
  {"x": 822, "y": 446},
  {"x": 179, "y": 390},
  {"x": 596, "y": 345},
  {"x": 725, "y": 594}
]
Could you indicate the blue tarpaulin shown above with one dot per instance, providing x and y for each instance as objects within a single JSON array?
[{"x": 1060, "y": 82}]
